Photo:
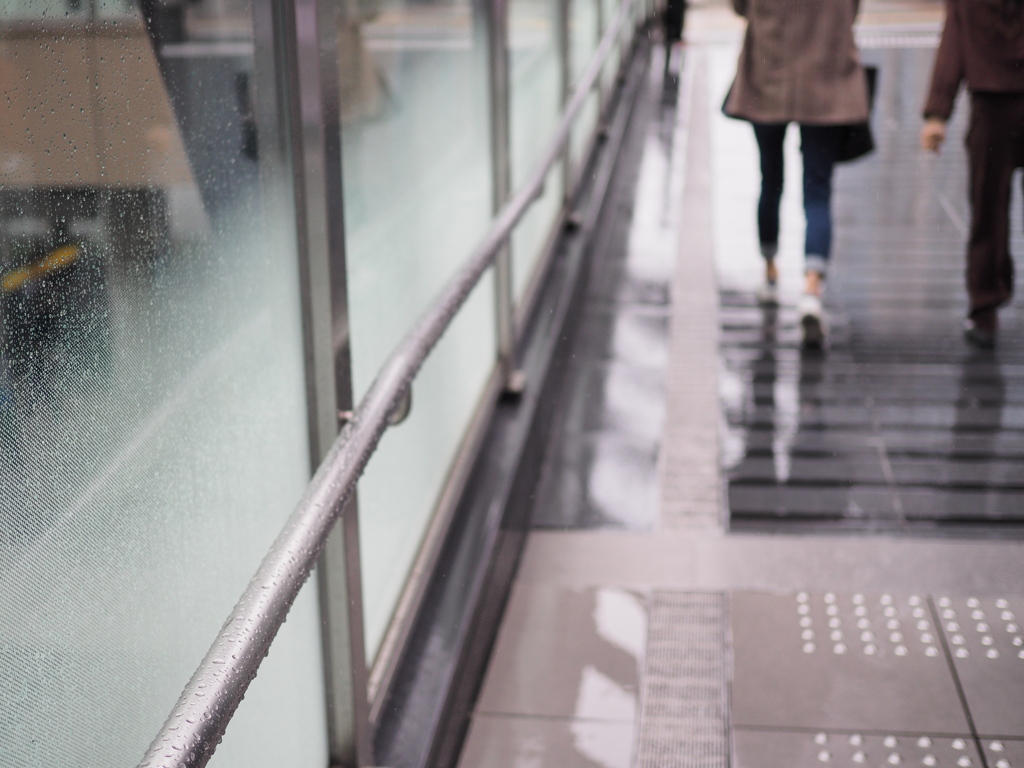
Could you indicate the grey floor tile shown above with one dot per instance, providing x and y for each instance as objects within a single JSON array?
[
  {"x": 568, "y": 653},
  {"x": 824, "y": 661},
  {"x": 602, "y": 479},
  {"x": 820, "y": 502},
  {"x": 1003, "y": 753},
  {"x": 782, "y": 749},
  {"x": 531, "y": 742},
  {"x": 987, "y": 645}
]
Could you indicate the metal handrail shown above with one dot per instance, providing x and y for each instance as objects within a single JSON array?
[{"x": 198, "y": 721}]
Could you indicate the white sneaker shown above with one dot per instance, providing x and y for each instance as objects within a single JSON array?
[
  {"x": 768, "y": 293},
  {"x": 811, "y": 321}
]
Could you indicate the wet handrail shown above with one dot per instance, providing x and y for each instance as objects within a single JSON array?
[{"x": 199, "y": 719}]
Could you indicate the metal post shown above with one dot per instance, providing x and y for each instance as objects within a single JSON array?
[
  {"x": 501, "y": 163},
  {"x": 311, "y": 55},
  {"x": 565, "y": 57},
  {"x": 626, "y": 36},
  {"x": 602, "y": 91}
]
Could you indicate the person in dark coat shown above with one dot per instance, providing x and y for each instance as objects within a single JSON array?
[
  {"x": 799, "y": 64},
  {"x": 983, "y": 44}
]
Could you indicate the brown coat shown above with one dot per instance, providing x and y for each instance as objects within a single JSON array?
[
  {"x": 983, "y": 43},
  {"x": 799, "y": 63}
]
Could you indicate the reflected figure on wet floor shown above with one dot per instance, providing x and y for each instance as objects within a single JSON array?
[
  {"x": 983, "y": 44},
  {"x": 799, "y": 64}
]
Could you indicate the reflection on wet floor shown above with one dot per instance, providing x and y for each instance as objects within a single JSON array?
[
  {"x": 899, "y": 426},
  {"x": 601, "y": 469}
]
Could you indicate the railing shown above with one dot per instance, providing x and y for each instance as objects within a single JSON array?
[{"x": 199, "y": 719}]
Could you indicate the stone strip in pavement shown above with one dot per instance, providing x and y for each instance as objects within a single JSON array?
[{"x": 690, "y": 475}]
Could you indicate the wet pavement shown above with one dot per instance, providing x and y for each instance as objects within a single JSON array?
[
  {"x": 899, "y": 426},
  {"x": 602, "y": 464},
  {"x": 652, "y": 624}
]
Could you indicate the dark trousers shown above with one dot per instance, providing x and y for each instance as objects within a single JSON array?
[
  {"x": 995, "y": 147},
  {"x": 674, "y": 18},
  {"x": 818, "y": 145}
]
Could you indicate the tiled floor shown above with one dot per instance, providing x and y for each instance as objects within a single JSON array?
[
  {"x": 563, "y": 683},
  {"x": 875, "y": 678},
  {"x": 602, "y": 467},
  {"x": 642, "y": 635},
  {"x": 900, "y": 426}
]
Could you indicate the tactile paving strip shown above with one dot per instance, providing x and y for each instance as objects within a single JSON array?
[
  {"x": 780, "y": 749},
  {"x": 841, "y": 662},
  {"x": 986, "y": 641},
  {"x": 1003, "y": 754}
]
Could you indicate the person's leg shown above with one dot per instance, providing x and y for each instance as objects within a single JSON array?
[
  {"x": 991, "y": 155},
  {"x": 769, "y": 141},
  {"x": 818, "y": 145}
]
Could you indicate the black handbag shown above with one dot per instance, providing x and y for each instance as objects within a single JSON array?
[{"x": 857, "y": 140}]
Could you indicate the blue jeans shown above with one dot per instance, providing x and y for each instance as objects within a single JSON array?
[{"x": 818, "y": 144}]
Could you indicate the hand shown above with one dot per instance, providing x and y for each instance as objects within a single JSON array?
[{"x": 933, "y": 134}]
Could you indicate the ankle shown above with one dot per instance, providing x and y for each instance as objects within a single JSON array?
[{"x": 814, "y": 282}]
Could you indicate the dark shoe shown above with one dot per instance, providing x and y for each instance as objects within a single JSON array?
[{"x": 978, "y": 335}]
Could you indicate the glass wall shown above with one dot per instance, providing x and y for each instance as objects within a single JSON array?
[
  {"x": 417, "y": 188},
  {"x": 153, "y": 402},
  {"x": 152, "y": 405},
  {"x": 583, "y": 39},
  {"x": 609, "y": 13},
  {"x": 417, "y": 181},
  {"x": 535, "y": 107}
]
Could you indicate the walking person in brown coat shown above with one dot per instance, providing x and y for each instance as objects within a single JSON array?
[
  {"x": 983, "y": 43},
  {"x": 799, "y": 64}
]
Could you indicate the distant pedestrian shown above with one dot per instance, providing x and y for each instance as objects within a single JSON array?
[
  {"x": 983, "y": 43},
  {"x": 799, "y": 64},
  {"x": 674, "y": 18}
]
